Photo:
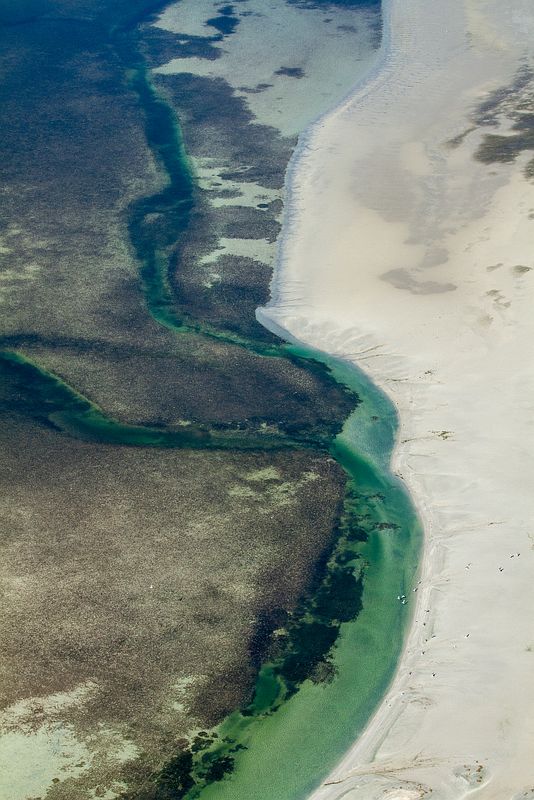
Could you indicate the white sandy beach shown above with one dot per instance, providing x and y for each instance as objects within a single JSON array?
[{"x": 409, "y": 257}]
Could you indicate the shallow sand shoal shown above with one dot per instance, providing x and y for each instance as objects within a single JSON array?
[{"x": 406, "y": 254}]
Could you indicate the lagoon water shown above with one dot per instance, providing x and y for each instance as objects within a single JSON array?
[
  {"x": 290, "y": 751},
  {"x": 284, "y": 63},
  {"x": 290, "y": 63}
]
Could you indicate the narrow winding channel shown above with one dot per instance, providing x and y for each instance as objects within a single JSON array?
[{"x": 286, "y": 740}]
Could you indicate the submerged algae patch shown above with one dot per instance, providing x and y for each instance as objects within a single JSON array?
[{"x": 225, "y": 23}]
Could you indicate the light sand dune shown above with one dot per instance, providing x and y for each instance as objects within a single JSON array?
[{"x": 409, "y": 256}]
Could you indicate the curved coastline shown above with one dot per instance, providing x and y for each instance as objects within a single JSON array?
[
  {"x": 411, "y": 747},
  {"x": 390, "y": 705},
  {"x": 274, "y": 758},
  {"x": 378, "y": 73},
  {"x": 88, "y": 421},
  {"x": 436, "y": 343}
]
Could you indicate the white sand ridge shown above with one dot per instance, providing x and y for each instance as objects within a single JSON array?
[{"x": 408, "y": 255}]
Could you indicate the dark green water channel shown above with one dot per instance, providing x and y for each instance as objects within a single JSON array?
[
  {"x": 155, "y": 245},
  {"x": 283, "y": 744},
  {"x": 337, "y": 653},
  {"x": 296, "y": 728},
  {"x": 48, "y": 399},
  {"x": 334, "y": 657}
]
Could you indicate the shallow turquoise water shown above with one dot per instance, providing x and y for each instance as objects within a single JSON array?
[{"x": 289, "y": 752}]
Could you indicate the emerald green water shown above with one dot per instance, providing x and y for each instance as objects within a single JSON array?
[
  {"x": 283, "y": 744},
  {"x": 290, "y": 750},
  {"x": 53, "y": 402}
]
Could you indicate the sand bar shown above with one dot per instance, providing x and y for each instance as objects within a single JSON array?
[{"x": 409, "y": 255}]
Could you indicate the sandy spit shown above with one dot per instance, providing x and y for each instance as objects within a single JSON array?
[{"x": 406, "y": 254}]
